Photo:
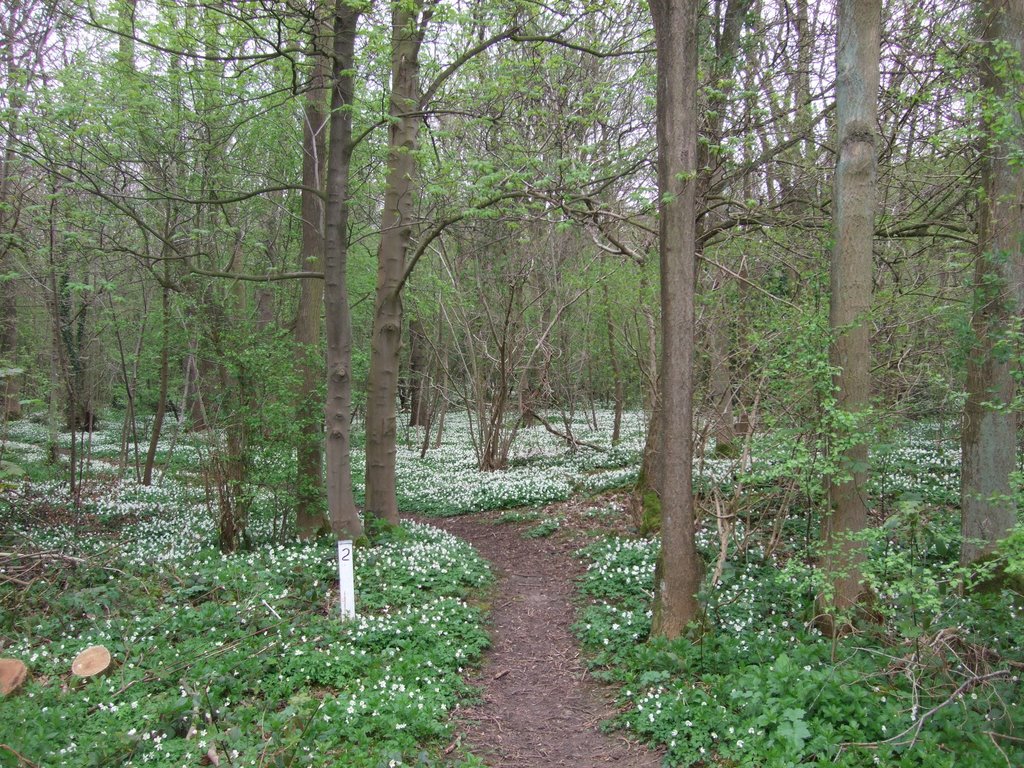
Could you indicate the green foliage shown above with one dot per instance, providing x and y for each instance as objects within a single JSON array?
[
  {"x": 448, "y": 481},
  {"x": 1011, "y": 549},
  {"x": 10, "y": 474},
  {"x": 243, "y": 654},
  {"x": 519, "y": 517},
  {"x": 761, "y": 686},
  {"x": 545, "y": 528}
]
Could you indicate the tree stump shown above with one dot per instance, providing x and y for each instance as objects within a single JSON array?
[
  {"x": 13, "y": 674},
  {"x": 94, "y": 660}
]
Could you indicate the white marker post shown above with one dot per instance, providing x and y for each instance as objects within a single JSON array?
[{"x": 346, "y": 580}]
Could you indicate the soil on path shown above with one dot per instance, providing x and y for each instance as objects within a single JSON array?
[{"x": 539, "y": 707}]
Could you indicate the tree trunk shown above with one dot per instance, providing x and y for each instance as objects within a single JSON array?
[
  {"x": 647, "y": 492},
  {"x": 721, "y": 387},
  {"x": 613, "y": 361},
  {"x": 340, "y": 504},
  {"x": 419, "y": 383},
  {"x": 161, "y": 405},
  {"x": 10, "y": 207},
  {"x": 857, "y": 59},
  {"x": 232, "y": 469},
  {"x": 310, "y": 513},
  {"x": 396, "y": 233},
  {"x": 10, "y": 401},
  {"x": 679, "y": 572},
  {"x": 989, "y": 434},
  {"x": 709, "y": 181},
  {"x": 192, "y": 403}
]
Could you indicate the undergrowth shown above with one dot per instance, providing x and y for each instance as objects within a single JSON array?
[
  {"x": 932, "y": 680},
  {"x": 230, "y": 660}
]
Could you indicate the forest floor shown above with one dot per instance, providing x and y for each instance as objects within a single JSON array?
[{"x": 538, "y": 706}]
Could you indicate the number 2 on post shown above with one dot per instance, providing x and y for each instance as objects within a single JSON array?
[{"x": 346, "y": 581}]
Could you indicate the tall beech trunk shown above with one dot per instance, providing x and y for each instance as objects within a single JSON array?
[
  {"x": 678, "y": 575},
  {"x": 396, "y": 233},
  {"x": 988, "y": 440},
  {"x": 341, "y": 506},
  {"x": 857, "y": 60},
  {"x": 311, "y": 516}
]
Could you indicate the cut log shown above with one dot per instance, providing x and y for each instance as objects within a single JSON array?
[
  {"x": 13, "y": 674},
  {"x": 94, "y": 660}
]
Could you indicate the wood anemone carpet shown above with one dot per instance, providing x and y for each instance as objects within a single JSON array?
[{"x": 538, "y": 707}]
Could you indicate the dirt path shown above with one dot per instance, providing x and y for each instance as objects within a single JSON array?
[{"x": 539, "y": 707}]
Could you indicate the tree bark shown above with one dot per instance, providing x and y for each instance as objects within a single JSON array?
[
  {"x": 857, "y": 61},
  {"x": 419, "y": 383},
  {"x": 17, "y": 70},
  {"x": 11, "y": 403},
  {"x": 396, "y": 234},
  {"x": 988, "y": 439},
  {"x": 161, "y": 405},
  {"x": 613, "y": 362},
  {"x": 648, "y": 488},
  {"x": 341, "y": 506},
  {"x": 720, "y": 385},
  {"x": 192, "y": 402},
  {"x": 310, "y": 512},
  {"x": 679, "y": 572}
]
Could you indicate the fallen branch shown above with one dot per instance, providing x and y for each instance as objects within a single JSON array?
[
  {"x": 917, "y": 725},
  {"x": 575, "y": 442},
  {"x": 22, "y": 760}
]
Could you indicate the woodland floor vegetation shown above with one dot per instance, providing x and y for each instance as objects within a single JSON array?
[
  {"x": 222, "y": 659},
  {"x": 241, "y": 659}
]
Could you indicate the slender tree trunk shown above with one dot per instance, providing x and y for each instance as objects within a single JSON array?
[
  {"x": 441, "y": 382},
  {"x": 62, "y": 389},
  {"x": 721, "y": 387},
  {"x": 419, "y": 383},
  {"x": 161, "y": 406},
  {"x": 193, "y": 404},
  {"x": 10, "y": 206},
  {"x": 647, "y": 492},
  {"x": 232, "y": 473},
  {"x": 10, "y": 402},
  {"x": 989, "y": 438},
  {"x": 727, "y": 57},
  {"x": 679, "y": 571},
  {"x": 396, "y": 233},
  {"x": 857, "y": 61},
  {"x": 310, "y": 511},
  {"x": 341, "y": 506},
  {"x": 613, "y": 361},
  {"x": 130, "y": 378}
]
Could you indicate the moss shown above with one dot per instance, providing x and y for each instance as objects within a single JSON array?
[
  {"x": 727, "y": 449},
  {"x": 377, "y": 529},
  {"x": 1001, "y": 576},
  {"x": 650, "y": 518}
]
